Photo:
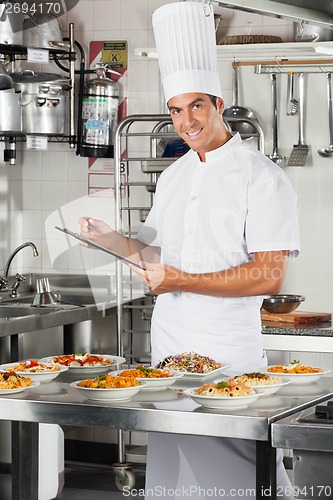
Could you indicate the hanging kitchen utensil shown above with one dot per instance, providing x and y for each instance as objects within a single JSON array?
[
  {"x": 278, "y": 159},
  {"x": 292, "y": 103},
  {"x": 300, "y": 151},
  {"x": 235, "y": 111},
  {"x": 329, "y": 150}
]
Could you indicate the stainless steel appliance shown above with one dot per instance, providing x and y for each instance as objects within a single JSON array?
[{"x": 309, "y": 433}]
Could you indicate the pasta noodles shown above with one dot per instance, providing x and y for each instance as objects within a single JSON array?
[
  {"x": 297, "y": 369},
  {"x": 257, "y": 379},
  {"x": 33, "y": 366},
  {"x": 10, "y": 380},
  {"x": 108, "y": 382},
  {"x": 144, "y": 372},
  {"x": 228, "y": 388}
]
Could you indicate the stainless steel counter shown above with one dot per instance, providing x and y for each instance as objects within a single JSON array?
[{"x": 163, "y": 411}]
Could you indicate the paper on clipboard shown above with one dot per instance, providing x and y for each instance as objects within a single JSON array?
[{"x": 77, "y": 236}]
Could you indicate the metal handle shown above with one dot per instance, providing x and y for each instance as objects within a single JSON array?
[
  {"x": 274, "y": 110},
  {"x": 235, "y": 85},
  {"x": 330, "y": 107},
  {"x": 290, "y": 85},
  {"x": 301, "y": 109}
]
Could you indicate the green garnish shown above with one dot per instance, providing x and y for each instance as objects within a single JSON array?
[
  {"x": 101, "y": 377},
  {"x": 222, "y": 384},
  {"x": 146, "y": 370},
  {"x": 295, "y": 362}
]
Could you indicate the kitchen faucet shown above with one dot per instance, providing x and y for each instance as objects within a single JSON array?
[{"x": 19, "y": 278}]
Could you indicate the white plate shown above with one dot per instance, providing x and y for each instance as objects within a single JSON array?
[
  {"x": 155, "y": 384},
  {"x": 299, "y": 378},
  {"x": 222, "y": 402},
  {"x": 116, "y": 360},
  {"x": 267, "y": 390},
  {"x": 107, "y": 394},
  {"x": 19, "y": 389},
  {"x": 201, "y": 376},
  {"x": 42, "y": 377}
]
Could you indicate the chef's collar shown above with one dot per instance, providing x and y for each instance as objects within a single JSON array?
[{"x": 225, "y": 148}]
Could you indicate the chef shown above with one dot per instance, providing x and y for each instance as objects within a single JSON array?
[{"x": 218, "y": 237}]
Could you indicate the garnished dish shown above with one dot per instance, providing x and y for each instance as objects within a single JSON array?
[
  {"x": 85, "y": 361},
  {"x": 43, "y": 372},
  {"x": 11, "y": 382},
  {"x": 227, "y": 388},
  {"x": 192, "y": 364},
  {"x": 108, "y": 387},
  {"x": 262, "y": 382},
  {"x": 298, "y": 373},
  {"x": 226, "y": 394},
  {"x": 154, "y": 378}
]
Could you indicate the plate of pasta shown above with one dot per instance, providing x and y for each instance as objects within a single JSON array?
[
  {"x": 85, "y": 362},
  {"x": 155, "y": 379},
  {"x": 192, "y": 365},
  {"x": 108, "y": 387},
  {"x": 297, "y": 372},
  {"x": 41, "y": 372},
  {"x": 12, "y": 383},
  {"x": 225, "y": 394},
  {"x": 261, "y": 382}
]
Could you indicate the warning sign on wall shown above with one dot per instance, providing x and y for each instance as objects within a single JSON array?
[{"x": 114, "y": 53}]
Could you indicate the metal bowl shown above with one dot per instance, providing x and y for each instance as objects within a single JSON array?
[{"x": 281, "y": 304}]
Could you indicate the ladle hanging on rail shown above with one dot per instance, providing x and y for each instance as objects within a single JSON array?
[
  {"x": 326, "y": 152},
  {"x": 278, "y": 159},
  {"x": 236, "y": 111}
]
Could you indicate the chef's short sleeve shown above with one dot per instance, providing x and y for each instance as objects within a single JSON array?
[{"x": 272, "y": 220}]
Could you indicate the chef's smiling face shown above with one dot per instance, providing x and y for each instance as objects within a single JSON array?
[{"x": 198, "y": 121}]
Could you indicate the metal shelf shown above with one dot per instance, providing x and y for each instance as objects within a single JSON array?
[
  {"x": 18, "y": 52},
  {"x": 291, "y": 51}
]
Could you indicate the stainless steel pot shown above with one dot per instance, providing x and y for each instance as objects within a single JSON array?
[
  {"x": 41, "y": 31},
  {"x": 11, "y": 24},
  {"x": 43, "y": 101},
  {"x": 10, "y": 112},
  {"x": 6, "y": 81}
]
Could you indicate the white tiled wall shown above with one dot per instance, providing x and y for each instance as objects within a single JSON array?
[{"x": 43, "y": 182}]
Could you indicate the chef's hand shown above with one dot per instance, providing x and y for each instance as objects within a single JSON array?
[
  {"x": 95, "y": 230},
  {"x": 159, "y": 278}
]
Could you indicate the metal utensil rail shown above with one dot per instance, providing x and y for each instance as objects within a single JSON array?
[
  {"x": 151, "y": 165},
  {"x": 30, "y": 408}
]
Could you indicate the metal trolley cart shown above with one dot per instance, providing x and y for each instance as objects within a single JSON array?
[{"x": 140, "y": 145}]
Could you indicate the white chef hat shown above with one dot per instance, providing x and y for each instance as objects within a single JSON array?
[{"x": 186, "y": 48}]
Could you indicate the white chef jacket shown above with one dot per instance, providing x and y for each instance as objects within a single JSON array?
[{"x": 210, "y": 216}]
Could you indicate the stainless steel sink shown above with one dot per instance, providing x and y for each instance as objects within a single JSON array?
[
  {"x": 15, "y": 311},
  {"x": 79, "y": 298}
]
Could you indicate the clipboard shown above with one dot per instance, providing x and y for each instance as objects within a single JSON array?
[{"x": 77, "y": 236}]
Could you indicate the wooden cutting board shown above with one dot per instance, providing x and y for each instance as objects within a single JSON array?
[{"x": 297, "y": 318}]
